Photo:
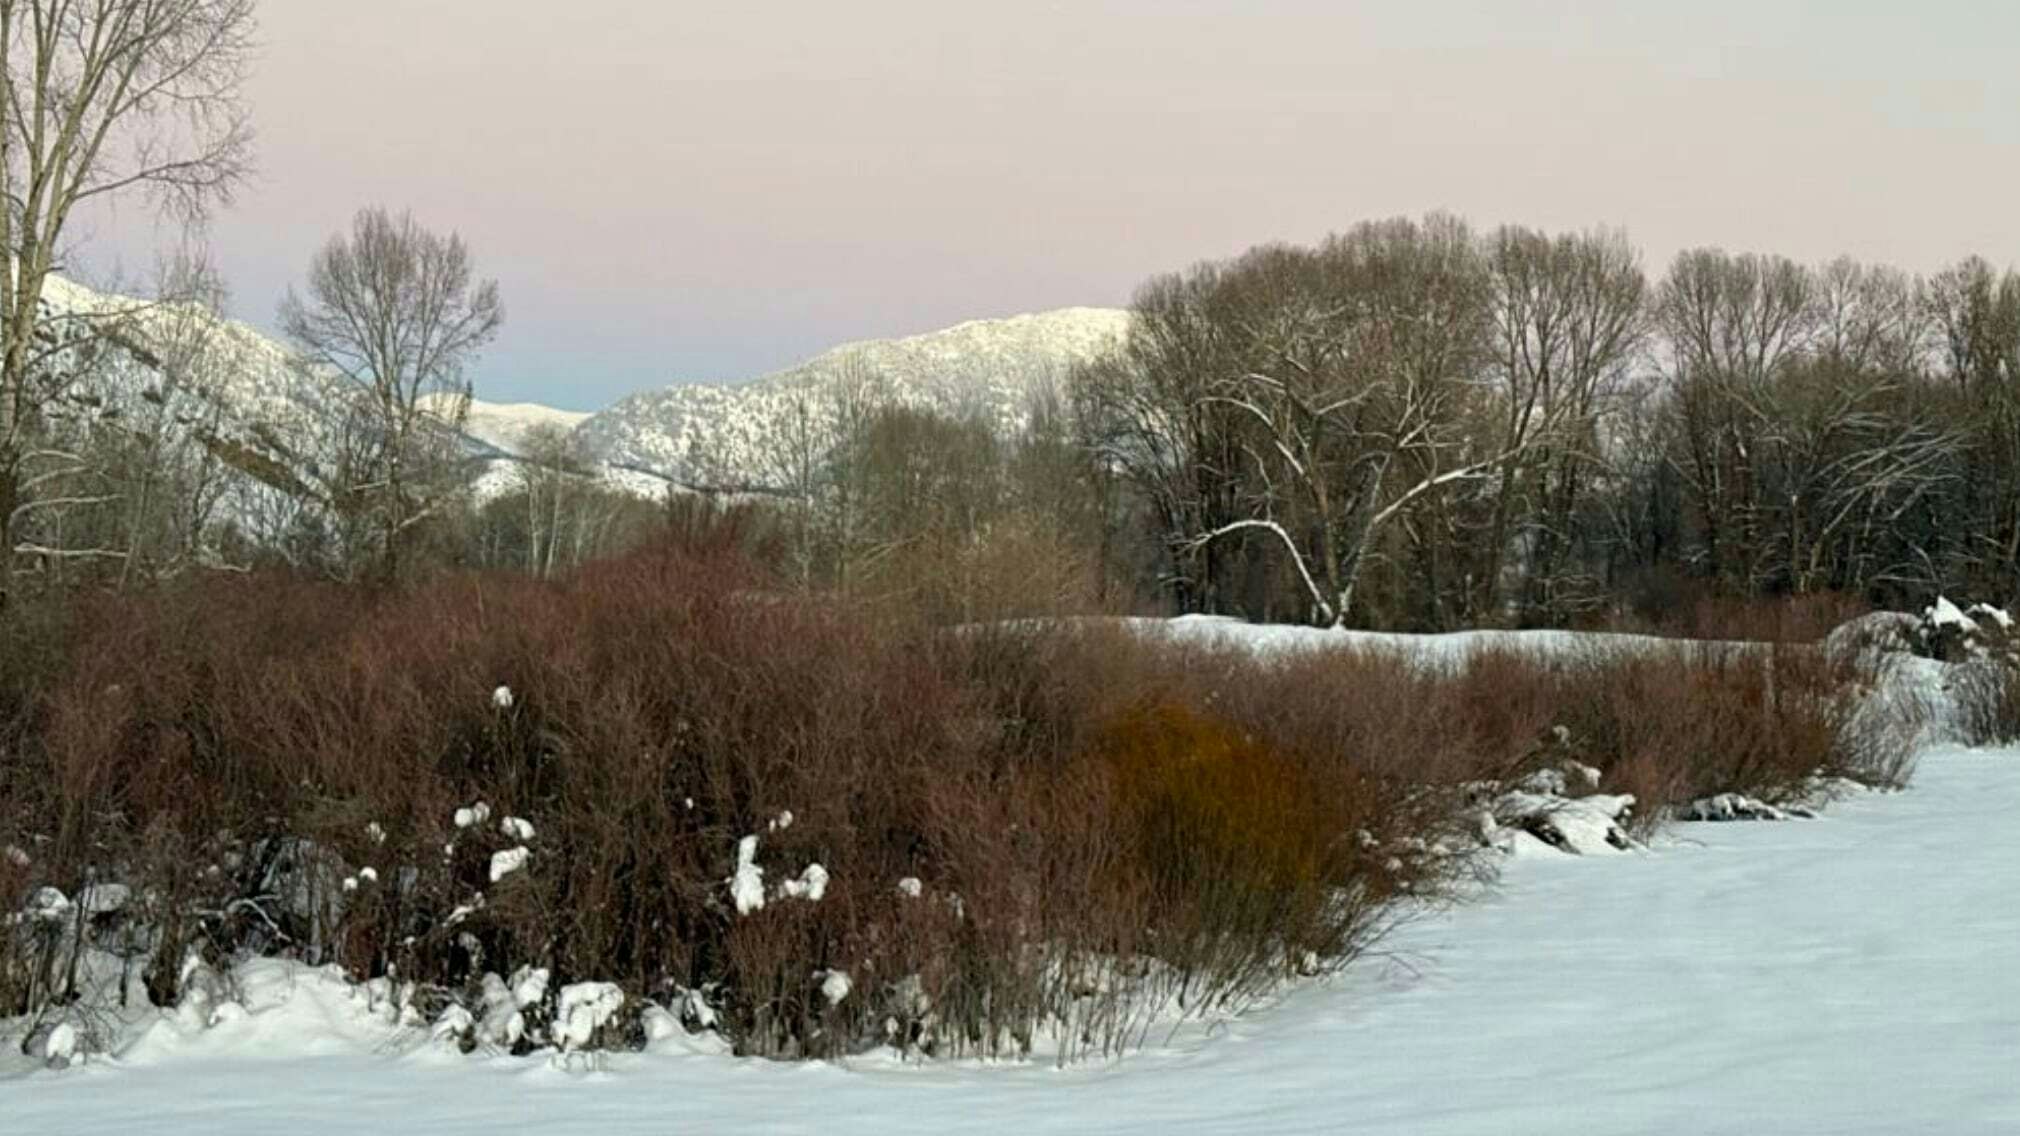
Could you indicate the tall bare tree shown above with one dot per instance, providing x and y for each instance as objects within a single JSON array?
[
  {"x": 1148, "y": 413},
  {"x": 1976, "y": 312},
  {"x": 1354, "y": 370},
  {"x": 397, "y": 310},
  {"x": 100, "y": 99},
  {"x": 1569, "y": 321},
  {"x": 1730, "y": 323}
]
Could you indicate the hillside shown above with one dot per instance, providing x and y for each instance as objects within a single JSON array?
[
  {"x": 276, "y": 421},
  {"x": 721, "y": 433},
  {"x": 508, "y": 426}
]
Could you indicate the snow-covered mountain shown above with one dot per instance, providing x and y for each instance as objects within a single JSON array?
[
  {"x": 509, "y": 426},
  {"x": 500, "y": 436},
  {"x": 155, "y": 351},
  {"x": 721, "y": 434},
  {"x": 277, "y": 424},
  {"x": 182, "y": 382}
]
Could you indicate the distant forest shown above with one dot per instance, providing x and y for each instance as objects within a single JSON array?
[{"x": 1417, "y": 425}]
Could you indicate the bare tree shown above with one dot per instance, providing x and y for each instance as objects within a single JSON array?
[
  {"x": 1729, "y": 324},
  {"x": 1357, "y": 366},
  {"x": 1976, "y": 313},
  {"x": 174, "y": 484},
  {"x": 848, "y": 407},
  {"x": 395, "y": 309},
  {"x": 1569, "y": 320},
  {"x": 1148, "y": 413},
  {"x": 797, "y": 463},
  {"x": 562, "y": 503},
  {"x": 99, "y": 99}
]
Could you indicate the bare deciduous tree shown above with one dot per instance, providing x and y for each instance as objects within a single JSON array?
[
  {"x": 1730, "y": 323},
  {"x": 98, "y": 99},
  {"x": 1569, "y": 323},
  {"x": 396, "y": 309},
  {"x": 1308, "y": 398}
]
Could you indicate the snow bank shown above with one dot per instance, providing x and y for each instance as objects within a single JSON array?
[
  {"x": 1738, "y": 806},
  {"x": 1448, "y": 649}
]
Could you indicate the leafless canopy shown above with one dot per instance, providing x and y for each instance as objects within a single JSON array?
[
  {"x": 396, "y": 309},
  {"x": 100, "y": 99}
]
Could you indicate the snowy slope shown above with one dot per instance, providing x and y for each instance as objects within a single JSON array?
[
  {"x": 720, "y": 433},
  {"x": 1858, "y": 974},
  {"x": 247, "y": 388},
  {"x": 507, "y": 426},
  {"x": 710, "y": 434},
  {"x": 497, "y": 435},
  {"x": 233, "y": 374}
]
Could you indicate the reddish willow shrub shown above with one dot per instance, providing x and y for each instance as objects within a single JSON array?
[{"x": 1084, "y": 821}]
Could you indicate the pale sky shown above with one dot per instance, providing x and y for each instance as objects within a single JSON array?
[{"x": 669, "y": 191}]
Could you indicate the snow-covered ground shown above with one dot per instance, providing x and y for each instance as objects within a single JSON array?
[
  {"x": 1856, "y": 974},
  {"x": 1449, "y": 646}
]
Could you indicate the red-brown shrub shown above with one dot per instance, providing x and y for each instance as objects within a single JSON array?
[
  {"x": 1986, "y": 694},
  {"x": 1093, "y": 819}
]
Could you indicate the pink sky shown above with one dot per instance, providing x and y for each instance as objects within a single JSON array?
[{"x": 671, "y": 191}]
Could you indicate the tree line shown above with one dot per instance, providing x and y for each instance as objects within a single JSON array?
[{"x": 1417, "y": 424}]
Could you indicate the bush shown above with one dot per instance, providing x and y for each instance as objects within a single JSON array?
[
  {"x": 1668, "y": 726},
  {"x": 1247, "y": 850},
  {"x": 310, "y": 770},
  {"x": 818, "y": 827},
  {"x": 1986, "y": 693},
  {"x": 1673, "y": 607}
]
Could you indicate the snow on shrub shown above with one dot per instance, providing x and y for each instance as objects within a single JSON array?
[
  {"x": 835, "y": 986},
  {"x": 506, "y": 1006},
  {"x": 507, "y": 861},
  {"x": 1580, "y": 825},
  {"x": 747, "y": 883},
  {"x": 452, "y": 1025},
  {"x": 55, "y": 1043},
  {"x": 811, "y": 886},
  {"x": 1738, "y": 806},
  {"x": 1970, "y": 690},
  {"x": 582, "y": 1009}
]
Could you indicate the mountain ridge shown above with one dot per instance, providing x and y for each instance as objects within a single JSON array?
[
  {"x": 683, "y": 435},
  {"x": 721, "y": 433}
]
